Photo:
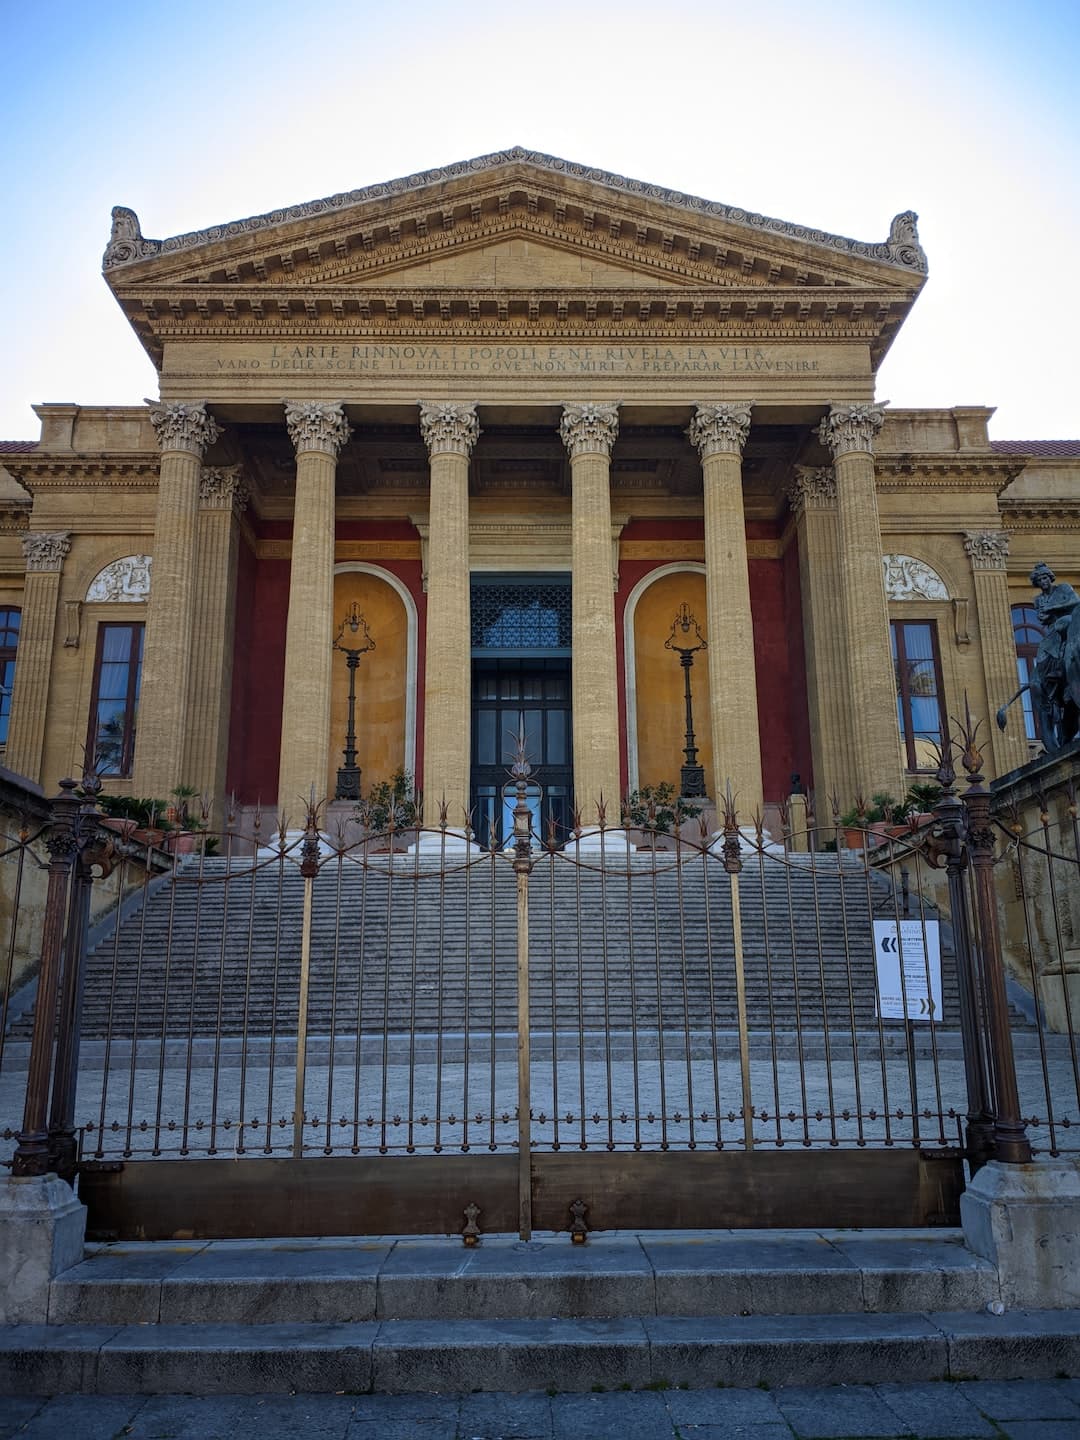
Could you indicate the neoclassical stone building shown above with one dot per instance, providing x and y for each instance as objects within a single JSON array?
[{"x": 516, "y": 413}]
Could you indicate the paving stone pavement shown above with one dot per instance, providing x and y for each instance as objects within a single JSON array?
[{"x": 969, "y": 1410}]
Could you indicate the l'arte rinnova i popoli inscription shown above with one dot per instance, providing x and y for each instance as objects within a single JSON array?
[{"x": 421, "y": 359}]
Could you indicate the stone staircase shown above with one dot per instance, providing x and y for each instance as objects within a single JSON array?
[
  {"x": 624, "y": 1311},
  {"x": 400, "y": 945}
]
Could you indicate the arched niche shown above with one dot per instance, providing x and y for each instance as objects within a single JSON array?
[
  {"x": 385, "y": 679},
  {"x": 655, "y": 714}
]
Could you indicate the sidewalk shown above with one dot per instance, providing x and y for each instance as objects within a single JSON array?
[{"x": 1014, "y": 1410}]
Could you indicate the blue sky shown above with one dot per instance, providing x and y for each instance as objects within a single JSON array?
[{"x": 835, "y": 115}]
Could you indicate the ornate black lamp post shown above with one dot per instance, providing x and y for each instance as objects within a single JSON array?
[
  {"x": 348, "y": 775},
  {"x": 692, "y": 775}
]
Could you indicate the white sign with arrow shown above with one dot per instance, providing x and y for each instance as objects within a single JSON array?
[{"x": 908, "y": 955}]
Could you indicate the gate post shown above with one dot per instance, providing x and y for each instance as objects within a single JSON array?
[
  {"x": 946, "y": 847},
  {"x": 32, "y": 1150},
  {"x": 309, "y": 868},
  {"x": 523, "y": 864},
  {"x": 732, "y": 852},
  {"x": 1010, "y": 1142}
]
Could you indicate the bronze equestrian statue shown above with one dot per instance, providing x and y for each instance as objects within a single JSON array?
[{"x": 1055, "y": 682}]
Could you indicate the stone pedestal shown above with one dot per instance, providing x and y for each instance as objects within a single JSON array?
[
  {"x": 1025, "y": 1219},
  {"x": 42, "y": 1232}
]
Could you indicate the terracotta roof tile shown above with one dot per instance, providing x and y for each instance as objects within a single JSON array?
[
  {"x": 17, "y": 447},
  {"x": 1048, "y": 449}
]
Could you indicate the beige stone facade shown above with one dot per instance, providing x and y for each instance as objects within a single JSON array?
[{"x": 503, "y": 399}]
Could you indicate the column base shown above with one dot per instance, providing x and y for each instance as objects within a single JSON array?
[
  {"x": 445, "y": 842},
  {"x": 1025, "y": 1219},
  {"x": 42, "y": 1233},
  {"x": 610, "y": 843}
]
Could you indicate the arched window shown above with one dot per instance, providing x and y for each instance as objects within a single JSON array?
[
  {"x": 1027, "y": 632},
  {"x": 10, "y": 621}
]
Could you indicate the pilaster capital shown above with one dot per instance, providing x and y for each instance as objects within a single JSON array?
[
  {"x": 589, "y": 429},
  {"x": 316, "y": 425},
  {"x": 851, "y": 427},
  {"x": 719, "y": 429},
  {"x": 986, "y": 549},
  {"x": 46, "y": 549},
  {"x": 449, "y": 427},
  {"x": 813, "y": 487},
  {"x": 184, "y": 425},
  {"x": 223, "y": 487}
]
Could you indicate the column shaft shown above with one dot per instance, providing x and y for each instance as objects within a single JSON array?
[
  {"x": 828, "y": 685},
  {"x": 719, "y": 432},
  {"x": 447, "y": 686},
  {"x": 872, "y": 718},
  {"x": 987, "y": 551},
  {"x": 222, "y": 495},
  {"x": 33, "y": 663},
  {"x": 589, "y": 434},
  {"x": 183, "y": 432}
]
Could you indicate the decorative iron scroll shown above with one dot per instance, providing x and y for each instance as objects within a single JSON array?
[{"x": 520, "y": 617}]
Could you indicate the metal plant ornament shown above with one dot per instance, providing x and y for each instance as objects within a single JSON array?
[
  {"x": 686, "y": 640},
  {"x": 348, "y": 775}
]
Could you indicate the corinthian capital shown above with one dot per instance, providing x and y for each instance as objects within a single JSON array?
[
  {"x": 45, "y": 550},
  {"x": 986, "y": 549},
  {"x": 449, "y": 427},
  {"x": 813, "y": 487},
  {"x": 589, "y": 429},
  {"x": 719, "y": 429},
  {"x": 851, "y": 427},
  {"x": 184, "y": 425},
  {"x": 222, "y": 487},
  {"x": 315, "y": 425}
]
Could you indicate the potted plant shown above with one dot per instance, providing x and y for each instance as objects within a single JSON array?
[
  {"x": 862, "y": 818},
  {"x": 657, "y": 810},
  {"x": 389, "y": 806}
]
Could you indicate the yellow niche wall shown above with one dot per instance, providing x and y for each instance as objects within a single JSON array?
[
  {"x": 381, "y": 681},
  {"x": 661, "y": 723}
]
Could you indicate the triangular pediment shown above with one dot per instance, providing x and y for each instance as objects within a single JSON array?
[{"x": 625, "y": 222}]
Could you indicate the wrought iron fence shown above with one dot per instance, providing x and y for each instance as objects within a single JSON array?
[{"x": 415, "y": 995}]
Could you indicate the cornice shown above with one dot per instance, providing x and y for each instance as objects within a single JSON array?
[
  {"x": 894, "y": 473},
  {"x": 901, "y": 250},
  {"x": 1041, "y": 515},
  {"x": 78, "y": 472}
]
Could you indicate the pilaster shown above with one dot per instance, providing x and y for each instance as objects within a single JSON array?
[
  {"x": 719, "y": 432},
  {"x": 184, "y": 432},
  {"x": 223, "y": 497},
  {"x": 45, "y": 552},
  {"x": 848, "y": 431},
  {"x": 813, "y": 503},
  {"x": 588, "y": 432},
  {"x": 988, "y": 552},
  {"x": 450, "y": 430},
  {"x": 318, "y": 431}
]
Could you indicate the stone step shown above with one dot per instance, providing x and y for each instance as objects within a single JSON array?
[
  {"x": 715, "y": 1273},
  {"x": 403, "y": 1356}
]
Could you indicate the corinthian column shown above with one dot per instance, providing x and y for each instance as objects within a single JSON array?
[
  {"x": 184, "y": 431},
  {"x": 848, "y": 431},
  {"x": 988, "y": 551},
  {"x": 450, "y": 430},
  {"x": 223, "y": 497},
  {"x": 45, "y": 554},
  {"x": 317, "y": 432},
  {"x": 588, "y": 432},
  {"x": 719, "y": 432},
  {"x": 812, "y": 497}
]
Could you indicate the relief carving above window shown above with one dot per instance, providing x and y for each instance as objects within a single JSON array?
[
  {"x": 125, "y": 581},
  {"x": 909, "y": 579}
]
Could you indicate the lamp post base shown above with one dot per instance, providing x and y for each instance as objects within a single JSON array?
[{"x": 348, "y": 783}]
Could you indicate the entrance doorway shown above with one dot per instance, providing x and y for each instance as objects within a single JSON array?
[
  {"x": 513, "y": 697},
  {"x": 521, "y": 686}
]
